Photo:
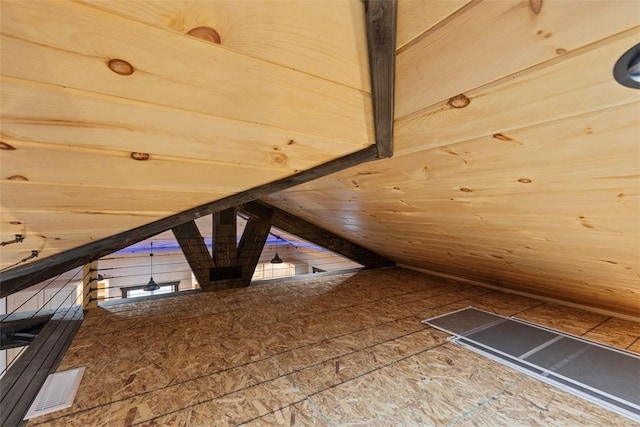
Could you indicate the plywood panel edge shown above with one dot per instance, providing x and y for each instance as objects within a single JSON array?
[{"x": 521, "y": 293}]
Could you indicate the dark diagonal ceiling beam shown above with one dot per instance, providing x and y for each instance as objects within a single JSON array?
[
  {"x": 194, "y": 250},
  {"x": 319, "y": 236}
]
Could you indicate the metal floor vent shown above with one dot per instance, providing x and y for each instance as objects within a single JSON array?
[
  {"x": 603, "y": 375},
  {"x": 57, "y": 393}
]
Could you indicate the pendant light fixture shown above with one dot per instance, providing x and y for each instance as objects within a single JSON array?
[
  {"x": 152, "y": 285},
  {"x": 276, "y": 259}
]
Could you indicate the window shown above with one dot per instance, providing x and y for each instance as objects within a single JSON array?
[{"x": 138, "y": 291}]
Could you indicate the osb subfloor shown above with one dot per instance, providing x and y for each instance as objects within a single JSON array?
[{"x": 333, "y": 351}]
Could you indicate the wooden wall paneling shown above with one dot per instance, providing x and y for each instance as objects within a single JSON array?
[
  {"x": 78, "y": 166},
  {"x": 416, "y": 17},
  {"x": 323, "y": 39},
  {"x": 195, "y": 251},
  {"x": 201, "y": 77},
  {"x": 225, "y": 249},
  {"x": 508, "y": 237},
  {"x": 547, "y": 93},
  {"x": 24, "y": 276},
  {"x": 64, "y": 116},
  {"x": 21, "y": 383},
  {"x": 381, "y": 16},
  {"x": 478, "y": 57}
]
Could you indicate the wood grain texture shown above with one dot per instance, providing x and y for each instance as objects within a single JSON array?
[
  {"x": 316, "y": 235},
  {"x": 78, "y": 166},
  {"x": 254, "y": 237},
  {"x": 381, "y": 16},
  {"x": 195, "y": 251},
  {"x": 327, "y": 40},
  {"x": 503, "y": 209},
  {"x": 518, "y": 153},
  {"x": 73, "y": 198},
  {"x": 493, "y": 39},
  {"x": 35, "y": 272},
  {"x": 181, "y": 72},
  {"x": 64, "y": 116},
  {"x": 346, "y": 350},
  {"x": 415, "y": 17},
  {"x": 542, "y": 94},
  {"x": 225, "y": 239}
]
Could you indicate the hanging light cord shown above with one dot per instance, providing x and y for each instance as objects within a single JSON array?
[{"x": 151, "y": 256}]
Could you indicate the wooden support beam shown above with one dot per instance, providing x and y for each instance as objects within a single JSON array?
[
  {"x": 227, "y": 272},
  {"x": 253, "y": 239},
  {"x": 319, "y": 236},
  {"x": 225, "y": 240},
  {"x": 21, "y": 383},
  {"x": 22, "y": 277},
  {"x": 195, "y": 250},
  {"x": 381, "y": 16},
  {"x": 17, "y": 333}
]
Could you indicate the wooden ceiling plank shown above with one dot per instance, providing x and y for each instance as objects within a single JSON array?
[
  {"x": 531, "y": 98},
  {"x": 498, "y": 163},
  {"x": 324, "y": 39},
  {"x": 22, "y": 277},
  {"x": 321, "y": 237},
  {"x": 526, "y": 251},
  {"x": 416, "y": 17},
  {"x": 31, "y": 112},
  {"x": 463, "y": 54},
  {"x": 581, "y": 202},
  {"x": 52, "y": 232},
  {"x": 538, "y": 250},
  {"x": 604, "y": 204},
  {"x": 122, "y": 170},
  {"x": 381, "y": 16},
  {"x": 201, "y": 77},
  {"x": 30, "y": 196}
]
